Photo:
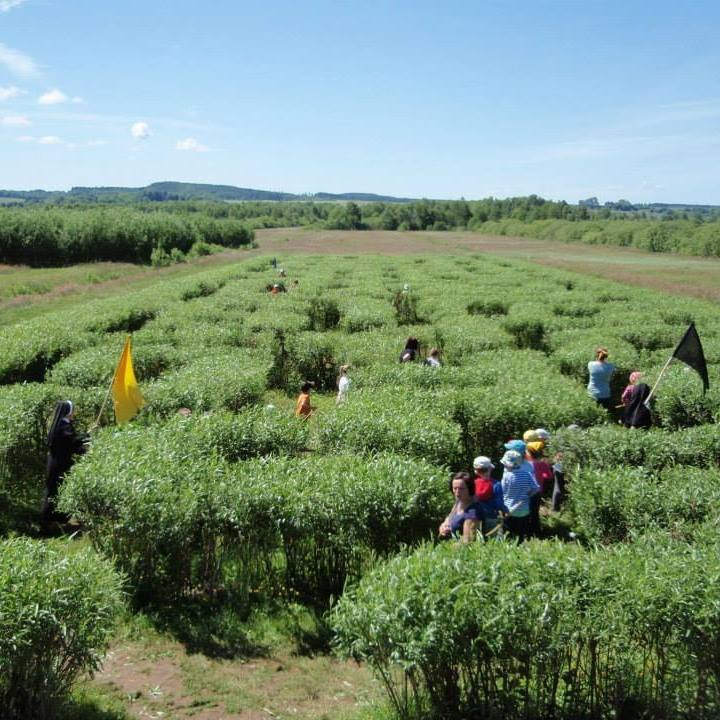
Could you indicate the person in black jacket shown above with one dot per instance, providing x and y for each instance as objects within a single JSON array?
[
  {"x": 636, "y": 414},
  {"x": 63, "y": 444}
]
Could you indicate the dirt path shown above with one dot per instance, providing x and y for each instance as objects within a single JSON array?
[{"x": 163, "y": 681}]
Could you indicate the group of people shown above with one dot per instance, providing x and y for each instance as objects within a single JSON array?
[
  {"x": 411, "y": 352},
  {"x": 510, "y": 505},
  {"x": 634, "y": 405}
]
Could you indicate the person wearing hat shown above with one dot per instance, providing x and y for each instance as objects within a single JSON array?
[
  {"x": 543, "y": 476},
  {"x": 466, "y": 514},
  {"x": 488, "y": 494},
  {"x": 343, "y": 384},
  {"x": 518, "y": 486},
  {"x": 520, "y": 446}
]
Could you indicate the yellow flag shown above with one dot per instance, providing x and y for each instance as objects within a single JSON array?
[{"x": 127, "y": 397}]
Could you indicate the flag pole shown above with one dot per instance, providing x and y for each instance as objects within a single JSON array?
[
  {"x": 657, "y": 382},
  {"x": 107, "y": 394}
]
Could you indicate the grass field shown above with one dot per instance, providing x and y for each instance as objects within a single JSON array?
[
  {"x": 26, "y": 292},
  {"x": 277, "y": 664}
]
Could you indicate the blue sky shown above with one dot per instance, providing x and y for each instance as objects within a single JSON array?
[{"x": 413, "y": 98}]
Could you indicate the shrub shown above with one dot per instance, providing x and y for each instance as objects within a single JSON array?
[
  {"x": 57, "y": 610},
  {"x": 300, "y": 357},
  {"x": 252, "y": 432},
  {"x": 529, "y": 334},
  {"x": 159, "y": 257},
  {"x": 547, "y": 630},
  {"x": 487, "y": 307},
  {"x": 411, "y": 425},
  {"x": 616, "y": 504},
  {"x": 96, "y": 365},
  {"x": 405, "y": 306},
  {"x": 207, "y": 383},
  {"x": 611, "y": 446},
  {"x": 323, "y": 314},
  {"x": 177, "y": 518}
]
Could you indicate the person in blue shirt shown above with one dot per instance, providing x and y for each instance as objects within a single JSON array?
[
  {"x": 466, "y": 514},
  {"x": 600, "y": 373},
  {"x": 518, "y": 487}
]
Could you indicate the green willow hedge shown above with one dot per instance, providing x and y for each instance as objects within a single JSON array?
[
  {"x": 619, "y": 503},
  {"x": 57, "y": 612},
  {"x": 176, "y": 517},
  {"x": 59, "y": 236},
  {"x": 542, "y": 631}
]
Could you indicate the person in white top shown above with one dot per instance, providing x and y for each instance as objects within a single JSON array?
[
  {"x": 343, "y": 384},
  {"x": 433, "y": 359}
]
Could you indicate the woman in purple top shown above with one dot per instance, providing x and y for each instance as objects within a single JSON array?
[{"x": 466, "y": 515}]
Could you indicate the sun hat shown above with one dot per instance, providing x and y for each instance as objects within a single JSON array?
[
  {"x": 516, "y": 445},
  {"x": 542, "y": 434},
  {"x": 536, "y": 447},
  {"x": 512, "y": 459},
  {"x": 530, "y": 436},
  {"x": 482, "y": 462}
]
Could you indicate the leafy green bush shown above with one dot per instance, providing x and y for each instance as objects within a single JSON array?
[
  {"x": 300, "y": 357},
  {"x": 323, "y": 314},
  {"x": 528, "y": 333},
  {"x": 487, "y": 307},
  {"x": 207, "y": 383},
  {"x": 176, "y": 517},
  {"x": 612, "y": 446},
  {"x": 549, "y": 630},
  {"x": 96, "y": 365},
  {"x": 616, "y": 504},
  {"x": 255, "y": 431},
  {"x": 57, "y": 611},
  {"x": 371, "y": 421}
]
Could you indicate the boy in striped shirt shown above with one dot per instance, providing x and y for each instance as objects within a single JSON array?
[{"x": 518, "y": 486}]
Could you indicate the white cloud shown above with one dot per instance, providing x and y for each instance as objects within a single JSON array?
[
  {"x": 15, "y": 120},
  {"x": 49, "y": 140},
  {"x": 18, "y": 63},
  {"x": 26, "y": 138},
  {"x": 9, "y": 92},
  {"x": 53, "y": 97},
  {"x": 6, "y": 5},
  {"x": 191, "y": 144},
  {"x": 140, "y": 130}
]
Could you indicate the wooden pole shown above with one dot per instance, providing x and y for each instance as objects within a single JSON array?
[
  {"x": 107, "y": 394},
  {"x": 657, "y": 382}
]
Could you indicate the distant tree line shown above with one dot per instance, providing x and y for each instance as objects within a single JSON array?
[
  {"x": 46, "y": 235},
  {"x": 49, "y": 234}
]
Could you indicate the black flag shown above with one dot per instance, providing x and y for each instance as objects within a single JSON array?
[{"x": 689, "y": 351}]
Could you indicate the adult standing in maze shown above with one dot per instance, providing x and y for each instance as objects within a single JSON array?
[
  {"x": 600, "y": 373},
  {"x": 63, "y": 443}
]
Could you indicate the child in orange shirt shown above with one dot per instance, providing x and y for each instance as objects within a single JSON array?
[{"x": 302, "y": 406}]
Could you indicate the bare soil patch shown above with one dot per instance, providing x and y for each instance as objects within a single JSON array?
[{"x": 165, "y": 682}]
